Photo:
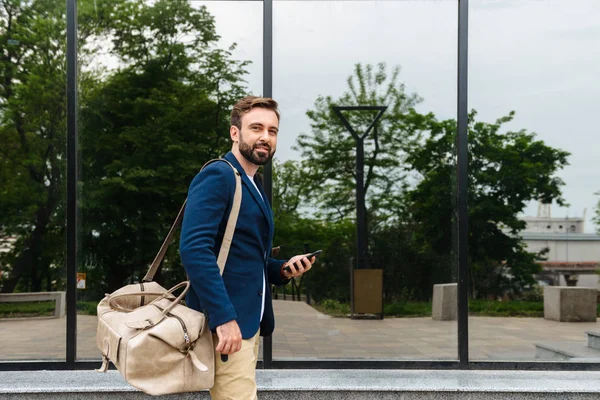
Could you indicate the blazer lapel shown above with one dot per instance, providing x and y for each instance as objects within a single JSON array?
[
  {"x": 268, "y": 210},
  {"x": 262, "y": 203}
]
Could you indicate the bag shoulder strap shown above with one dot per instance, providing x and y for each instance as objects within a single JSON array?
[{"x": 229, "y": 230}]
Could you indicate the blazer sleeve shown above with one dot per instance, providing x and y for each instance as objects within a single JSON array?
[
  {"x": 274, "y": 272},
  {"x": 209, "y": 198}
]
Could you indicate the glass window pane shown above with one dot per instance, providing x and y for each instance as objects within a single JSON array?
[
  {"x": 396, "y": 54},
  {"x": 32, "y": 181},
  {"x": 533, "y": 179},
  {"x": 154, "y": 107}
]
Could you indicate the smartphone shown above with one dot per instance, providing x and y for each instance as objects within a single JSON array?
[{"x": 311, "y": 255}]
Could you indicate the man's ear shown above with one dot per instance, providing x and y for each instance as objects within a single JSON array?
[{"x": 234, "y": 133}]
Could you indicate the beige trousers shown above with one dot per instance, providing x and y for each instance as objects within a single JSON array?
[{"x": 236, "y": 378}]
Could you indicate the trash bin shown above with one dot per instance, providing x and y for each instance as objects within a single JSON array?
[{"x": 368, "y": 292}]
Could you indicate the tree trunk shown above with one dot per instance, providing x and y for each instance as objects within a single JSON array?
[{"x": 29, "y": 259}]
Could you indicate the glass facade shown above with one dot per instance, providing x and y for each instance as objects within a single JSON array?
[
  {"x": 97, "y": 161},
  {"x": 326, "y": 64},
  {"x": 174, "y": 81},
  {"x": 33, "y": 105},
  {"x": 543, "y": 70}
]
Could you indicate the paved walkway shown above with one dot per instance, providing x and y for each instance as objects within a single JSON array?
[{"x": 303, "y": 332}]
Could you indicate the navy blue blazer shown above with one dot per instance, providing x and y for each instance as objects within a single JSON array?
[{"x": 237, "y": 295}]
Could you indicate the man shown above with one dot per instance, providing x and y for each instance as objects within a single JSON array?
[{"x": 238, "y": 304}]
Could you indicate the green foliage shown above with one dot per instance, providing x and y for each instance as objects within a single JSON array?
[
  {"x": 330, "y": 152},
  {"x": 32, "y": 132},
  {"x": 138, "y": 158},
  {"x": 297, "y": 234},
  {"x": 27, "y": 309},
  {"x": 333, "y": 308},
  {"x": 481, "y": 308},
  {"x": 506, "y": 171},
  {"x": 410, "y": 269},
  {"x": 506, "y": 308},
  {"x": 146, "y": 128},
  {"x": 407, "y": 309},
  {"x": 410, "y": 164},
  {"x": 42, "y": 309},
  {"x": 87, "y": 307},
  {"x": 535, "y": 293}
]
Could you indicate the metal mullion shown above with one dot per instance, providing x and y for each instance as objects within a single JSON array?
[
  {"x": 268, "y": 169},
  {"x": 71, "y": 182},
  {"x": 462, "y": 183}
]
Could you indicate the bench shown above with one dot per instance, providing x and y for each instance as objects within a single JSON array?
[{"x": 57, "y": 297}]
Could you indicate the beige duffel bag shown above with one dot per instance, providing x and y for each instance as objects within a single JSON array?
[{"x": 159, "y": 345}]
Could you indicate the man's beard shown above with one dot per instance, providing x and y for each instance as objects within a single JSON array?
[{"x": 255, "y": 158}]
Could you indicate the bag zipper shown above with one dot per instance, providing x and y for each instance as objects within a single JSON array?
[
  {"x": 143, "y": 300},
  {"x": 186, "y": 337}
]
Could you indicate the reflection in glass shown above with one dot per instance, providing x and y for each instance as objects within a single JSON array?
[
  {"x": 156, "y": 89},
  {"x": 343, "y": 59},
  {"x": 533, "y": 174},
  {"x": 32, "y": 180}
]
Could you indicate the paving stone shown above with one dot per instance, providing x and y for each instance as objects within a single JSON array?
[{"x": 303, "y": 332}]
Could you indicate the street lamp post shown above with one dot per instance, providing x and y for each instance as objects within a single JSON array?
[{"x": 363, "y": 261}]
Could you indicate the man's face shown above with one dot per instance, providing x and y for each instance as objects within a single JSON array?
[{"x": 257, "y": 140}]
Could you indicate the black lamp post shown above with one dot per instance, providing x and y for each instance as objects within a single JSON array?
[{"x": 361, "y": 212}]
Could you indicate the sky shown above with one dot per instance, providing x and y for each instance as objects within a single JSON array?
[{"x": 539, "y": 58}]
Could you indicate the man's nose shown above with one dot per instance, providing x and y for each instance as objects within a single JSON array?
[{"x": 264, "y": 134}]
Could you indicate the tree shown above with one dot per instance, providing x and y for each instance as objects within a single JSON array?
[
  {"x": 147, "y": 131},
  {"x": 32, "y": 130},
  {"x": 506, "y": 171},
  {"x": 33, "y": 127},
  {"x": 330, "y": 150},
  {"x": 146, "y": 127},
  {"x": 410, "y": 174},
  {"x": 297, "y": 233}
]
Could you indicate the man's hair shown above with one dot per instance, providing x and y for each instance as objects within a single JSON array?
[{"x": 243, "y": 106}]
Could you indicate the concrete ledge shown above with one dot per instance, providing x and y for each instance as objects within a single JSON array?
[{"x": 326, "y": 384}]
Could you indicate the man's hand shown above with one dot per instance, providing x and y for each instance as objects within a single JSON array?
[
  {"x": 298, "y": 265},
  {"x": 230, "y": 338}
]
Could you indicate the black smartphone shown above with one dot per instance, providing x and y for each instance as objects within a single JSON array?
[{"x": 311, "y": 255}]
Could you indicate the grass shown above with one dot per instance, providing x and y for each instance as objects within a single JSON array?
[
  {"x": 423, "y": 309},
  {"x": 87, "y": 307},
  {"x": 329, "y": 307},
  {"x": 42, "y": 309},
  {"x": 506, "y": 308},
  {"x": 27, "y": 309}
]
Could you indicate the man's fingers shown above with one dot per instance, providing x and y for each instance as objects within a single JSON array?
[
  {"x": 226, "y": 348},
  {"x": 229, "y": 349},
  {"x": 232, "y": 347}
]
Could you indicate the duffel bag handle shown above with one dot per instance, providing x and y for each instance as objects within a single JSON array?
[{"x": 161, "y": 295}]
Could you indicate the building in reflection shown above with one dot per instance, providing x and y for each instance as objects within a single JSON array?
[{"x": 573, "y": 256}]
